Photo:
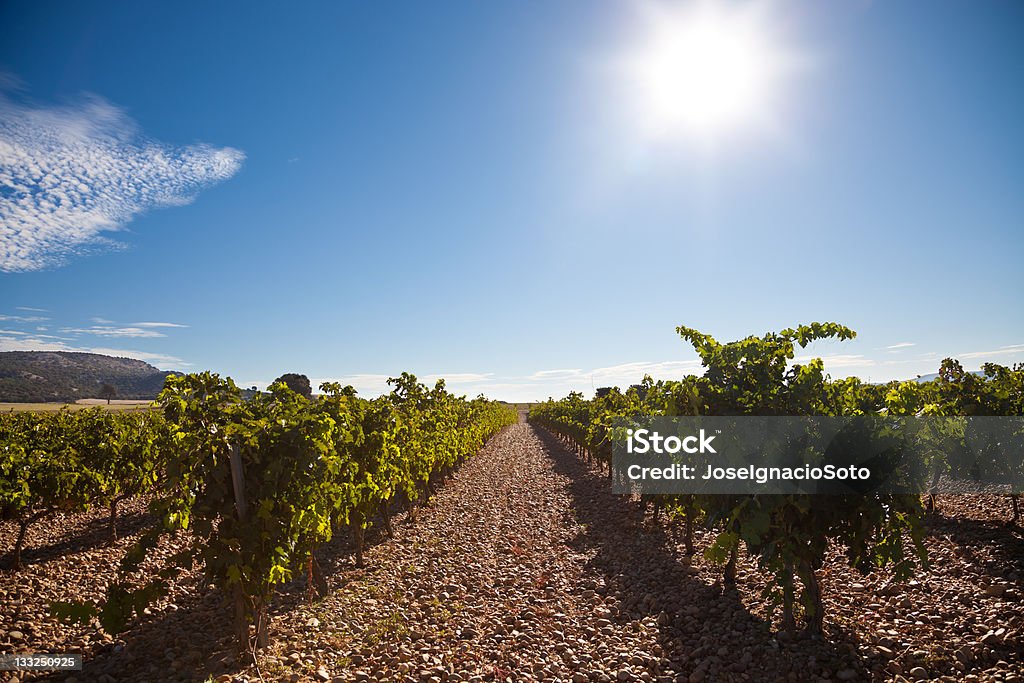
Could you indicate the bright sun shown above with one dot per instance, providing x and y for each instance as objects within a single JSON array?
[{"x": 703, "y": 72}]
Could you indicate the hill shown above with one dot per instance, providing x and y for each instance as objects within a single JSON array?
[
  {"x": 42, "y": 376},
  {"x": 934, "y": 375}
]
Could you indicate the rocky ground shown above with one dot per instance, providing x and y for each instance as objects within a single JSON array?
[{"x": 525, "y": 567}]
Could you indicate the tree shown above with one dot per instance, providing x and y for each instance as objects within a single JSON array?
[
  {"x": 108, "y": 391},
  {"x": 297, "y": 383}
]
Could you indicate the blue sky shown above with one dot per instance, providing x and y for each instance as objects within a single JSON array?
[{"x": 349, "y": 190}]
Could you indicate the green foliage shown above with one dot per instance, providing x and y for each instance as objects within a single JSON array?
[
  {"x": 789, "y": 534},
  {"x": 257, "y": 483},
  {"x": 252, "y": 480},
  {"x": 70, "y": 461}
]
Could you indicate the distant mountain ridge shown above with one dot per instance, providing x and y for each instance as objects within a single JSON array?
[
  {"x": 44, "y": 376},
  {"x": 921, "y": 379}
]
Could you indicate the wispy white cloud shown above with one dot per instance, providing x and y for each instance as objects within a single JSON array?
[
  {"x": 456, "y": 377},
  {"x": 632, "y": 373},
  {"x": 10, "y": 82},
  {"x": 106, "y": 331},
  {"x": 542, "y": 384},
  {"x": 1011, "y": 350},
  {"x": 556, "y": 374},
  {"x": 930, "y": 357},
  {"x": 31, "y": 310},
  {"x": 19, "y": 342},
  {"x": 367, "y": 384},
  {"x": 838, "y": 360},
  {"x": 161, "y": 360},
  {"x": 36, "y": 334},
  {"x": 23, "y": 318},
  {"x": 624, "y": 373},
  {"x": 68, "y": 174},
  {"x": 107, "y": 328},
  {"x": 901, "y": 345},
  {"x": 158, "y": 325}
]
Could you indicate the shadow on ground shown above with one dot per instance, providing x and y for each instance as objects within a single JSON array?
[
  {"x": 1002, "y": 543},
  {"x": 704, "y": 632}
]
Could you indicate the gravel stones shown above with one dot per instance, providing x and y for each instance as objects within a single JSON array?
[{"x": 524, "y": 567}]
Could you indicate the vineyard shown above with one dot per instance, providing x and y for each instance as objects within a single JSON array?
[{"x": 281, "y": 537}]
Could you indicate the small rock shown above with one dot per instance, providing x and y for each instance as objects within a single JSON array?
[
  {"x": 990, "y": 638},
  {"x": 919, "y": 673}
]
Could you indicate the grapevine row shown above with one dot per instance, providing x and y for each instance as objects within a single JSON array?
[
  {"x": 256, "y": 483},
  {"x": 789, "y": 534}
]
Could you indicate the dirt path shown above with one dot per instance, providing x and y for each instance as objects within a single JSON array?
[
  {"x": 495, "y": 579},
  {"x": 525, "y": 567}
]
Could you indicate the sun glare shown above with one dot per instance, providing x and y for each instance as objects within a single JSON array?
[{"x": 703, "y": 72}]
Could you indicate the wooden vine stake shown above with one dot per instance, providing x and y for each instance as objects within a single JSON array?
[{"x": 259, "y": 611}]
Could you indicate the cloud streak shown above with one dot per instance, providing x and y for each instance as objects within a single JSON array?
[
  {"x": 1011, "y": 350},
  {"x": 105, "y": 331},
  {"x": 158, "y": 325},
  {"x": 69, "y": 174},
  {"x": 837, "y": 360},
  {"x": 23, "y": 318}
]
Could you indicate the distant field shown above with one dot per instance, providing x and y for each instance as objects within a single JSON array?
[{"x": 118, "y": 405}]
